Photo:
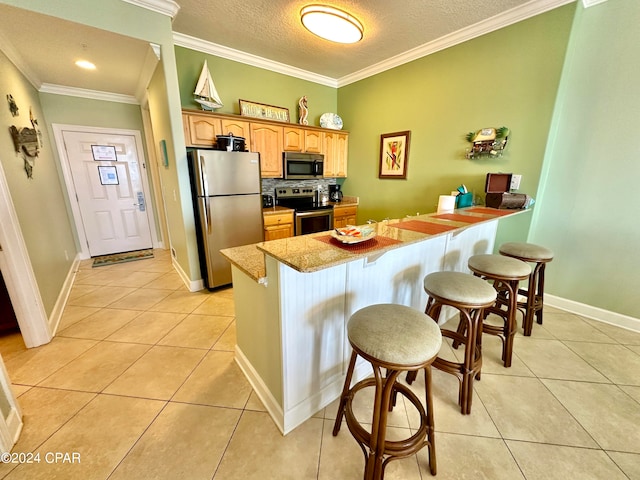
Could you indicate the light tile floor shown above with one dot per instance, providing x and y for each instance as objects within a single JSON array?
[{"x": 140, "y": 380}]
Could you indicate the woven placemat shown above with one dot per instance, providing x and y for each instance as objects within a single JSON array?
[
  {"x": 424, "y": 227},
  {"x": 375, "y": 243},
  {"x": 488, "y": 210},
  {"x": 456, "y": 217}
]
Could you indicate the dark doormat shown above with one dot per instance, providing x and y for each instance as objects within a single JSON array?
[{"x": 122, "y": 257}]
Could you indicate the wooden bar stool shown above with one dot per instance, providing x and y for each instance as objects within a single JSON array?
[
  {"x": 506, "y": 274},
  {"x": 395, "y": 338},
  {"x": 534, "y": 293},
  {"x": 469, "y": 295}
]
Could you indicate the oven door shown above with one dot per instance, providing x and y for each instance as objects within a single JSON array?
[{"x": 313, "y": 221}]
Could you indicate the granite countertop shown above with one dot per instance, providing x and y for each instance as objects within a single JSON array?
[
  {"x": 275, "y": 210},
  {"x": 317, "y": 251}
]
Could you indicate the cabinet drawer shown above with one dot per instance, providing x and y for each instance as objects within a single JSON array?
[
  {"x": 278, "y": 219},
  {"x": 345, "y": 211}
]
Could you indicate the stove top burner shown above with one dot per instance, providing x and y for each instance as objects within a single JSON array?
[{"x": 299, "y": 198}]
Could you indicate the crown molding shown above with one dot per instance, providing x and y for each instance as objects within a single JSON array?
[
  {"x": 591, "y": 3},
  {"x": 165, "y": 7},
  {"x": 504, "y": 19},
  {"x": 203, "y": 46},
  {"x": 14, "y": 57},
  {"x": 151, "y": 60},
  {"x": 85, "y": 93}
]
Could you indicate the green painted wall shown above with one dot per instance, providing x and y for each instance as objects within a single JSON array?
[
  {"x": 235, "y": 81},
  {"x": 587, "y": 213},
  {"x": 95, "y": 113},
  {"x": 39, "y": 202},
  {"x": 68, "y": 110},
  {"x": 140, "y": 23},
  {"x": 508, "y": 77},
  {"x": 174, "y": 179}
]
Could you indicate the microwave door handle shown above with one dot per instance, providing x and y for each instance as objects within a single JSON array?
[{"x": 316, "y": 167}]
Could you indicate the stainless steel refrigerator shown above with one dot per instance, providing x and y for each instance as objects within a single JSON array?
[{"x": 228, "y": 207}]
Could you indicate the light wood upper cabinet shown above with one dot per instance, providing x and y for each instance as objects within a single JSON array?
[
  {"x": 270, "y": 139},
  {"x": 313, "y": 141},
  {"x": 293, "y": 139},
  {"x": 336, "y": 147},
  {"x": 267, "y": 140},
  {"x": 303, "y": 140},
  {"x": 237, "y": 128},
  {"x": 203, "y": 129}
]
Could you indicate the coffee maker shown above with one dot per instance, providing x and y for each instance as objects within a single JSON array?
[{"x": 335, "y": 194}]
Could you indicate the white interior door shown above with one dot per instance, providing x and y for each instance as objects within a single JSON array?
[
  {"x": 10, "y": 414},
  {"x": 108, "y": 180}
]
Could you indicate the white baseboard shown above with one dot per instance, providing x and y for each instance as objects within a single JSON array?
[
  {"x": 269, "y": 402},
  {"x": 192, "y": 285},
  {"x": 297, "y": 415},
  {"x": 63, "y": 296},
  {"x": 594, "y": 313}
]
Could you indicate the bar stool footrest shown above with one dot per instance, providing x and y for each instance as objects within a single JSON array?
[{"x": 395, "y": 449}]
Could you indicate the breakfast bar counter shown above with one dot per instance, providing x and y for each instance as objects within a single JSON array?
[{"x": 294, "y": 296}]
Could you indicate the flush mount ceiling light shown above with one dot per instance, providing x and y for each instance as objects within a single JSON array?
[
  {"x": 87, "y": 65},
  {"x": 331, "y": 24}
]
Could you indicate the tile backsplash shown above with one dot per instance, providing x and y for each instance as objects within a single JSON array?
[{"x": 269, "y": 185}]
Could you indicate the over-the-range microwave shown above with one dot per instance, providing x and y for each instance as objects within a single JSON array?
[{"x": 298, "y": 166}]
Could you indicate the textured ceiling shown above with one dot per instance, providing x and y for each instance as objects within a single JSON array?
[
  {"x": 272, "y": 28},
  {"x": 48, "y": 47},
  {"x": 45, "y": 48}
]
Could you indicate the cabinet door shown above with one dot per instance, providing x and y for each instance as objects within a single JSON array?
[
  {"x": 237, "y": 128},
  {"x": 335, "y": 154},
  {"x": 278, "y": 232},
  {"x": 203, "y": 129},
  {"x": 185, "y": 129},
  {"x": 267, "y": 140},
  {"x": 293, "y": 139},
  {"x": 313, "y": 141},
  {"x": 343, "y": 216},
  {"x": 278, "y": 226}
]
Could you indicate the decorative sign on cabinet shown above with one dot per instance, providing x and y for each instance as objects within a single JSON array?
[{"x": 270, "y": 139}]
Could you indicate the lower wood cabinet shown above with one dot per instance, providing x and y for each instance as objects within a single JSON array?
[
  {"x": 343, "y": 216},
  {"x": 278, "y": 225}
]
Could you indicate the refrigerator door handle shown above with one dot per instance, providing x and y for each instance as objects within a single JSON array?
[
  {"x": 205, "y": 182},
  {"x": 207, "y": 216}
]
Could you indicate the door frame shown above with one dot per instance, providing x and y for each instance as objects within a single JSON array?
[
  {"x": 18, "y": 274},
  {"x": 58, "y": 130}
]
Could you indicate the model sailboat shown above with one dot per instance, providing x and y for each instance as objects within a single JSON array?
[{"x": 205, "y": 93}]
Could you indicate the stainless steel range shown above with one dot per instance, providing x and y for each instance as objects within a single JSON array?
[{"x": 311, "y": 215}]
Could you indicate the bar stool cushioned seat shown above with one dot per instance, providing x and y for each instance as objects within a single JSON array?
[
  {"x": 534, "y": 293},
  {"x": 393, "y": 338},
  {"x": 469, "y": 295},
  {"x": 394, "y": 334},
  {"x": 458, "y": 287},
  {"x": 506, "y": 274}
]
